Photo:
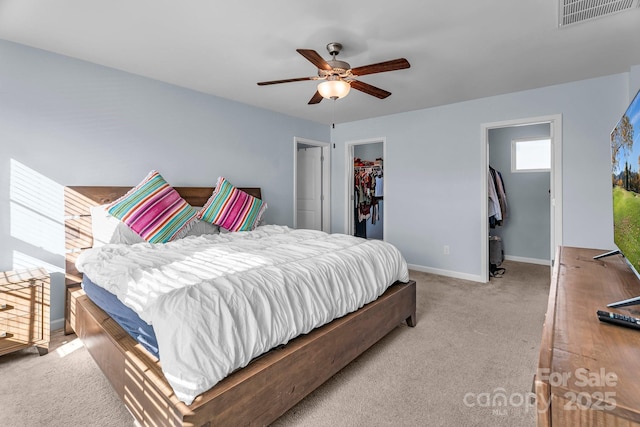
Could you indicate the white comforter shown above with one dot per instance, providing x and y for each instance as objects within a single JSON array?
[{"x": 218, "y": 301}]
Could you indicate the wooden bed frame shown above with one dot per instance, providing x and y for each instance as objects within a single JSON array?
[{"x": 255, "y": 395}]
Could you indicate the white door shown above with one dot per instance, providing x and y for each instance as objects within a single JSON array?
[{"x": 309, "y": 188}]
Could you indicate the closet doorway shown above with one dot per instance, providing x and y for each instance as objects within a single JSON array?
[
  {"x": 365, "y": 188},
  {"x": 311, "y": 185},
  {"x": 497, "y": 142}
]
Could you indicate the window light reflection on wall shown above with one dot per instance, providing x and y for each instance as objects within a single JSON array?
[
  {"x": 23, "y": 261},
  {"x": 36, "y": 217}
]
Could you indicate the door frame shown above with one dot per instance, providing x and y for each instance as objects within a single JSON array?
[
  {"x": 326, "y": 180},
  {"x": 555, "y": 184},
  {"x": 349, "y": 214}
]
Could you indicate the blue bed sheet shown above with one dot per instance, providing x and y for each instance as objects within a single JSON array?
[{"x": 123, "y": 315}]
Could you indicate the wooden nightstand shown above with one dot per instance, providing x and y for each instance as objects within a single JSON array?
[{"x": 24, "y": 310}]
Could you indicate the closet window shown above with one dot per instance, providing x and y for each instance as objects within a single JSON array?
[{"x": 531, "y": 155}]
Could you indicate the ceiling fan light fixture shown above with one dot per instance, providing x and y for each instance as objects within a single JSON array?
[
  {"x": 334, "y": 89},
  {"x": 338, "y": 76}
]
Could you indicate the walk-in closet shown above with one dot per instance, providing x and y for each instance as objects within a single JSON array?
[
  {"x": 368, "y": 191},
  {"x": 522, "y": 222}
]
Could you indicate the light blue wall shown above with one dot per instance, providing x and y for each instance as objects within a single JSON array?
[
  {"x": 433, "y": 169},
  {"x": 525, "y": 232},
  {"x": 68, "y": 122},
  {"x": 369, "y": 152}
]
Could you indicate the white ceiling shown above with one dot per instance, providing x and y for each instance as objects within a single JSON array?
[{"x": 458, "y": 50}]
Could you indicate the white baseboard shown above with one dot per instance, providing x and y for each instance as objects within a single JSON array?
[
  {"x": 474, "y": 277},
  {"x": 447, "y": 273},
  {"x": 528, "y": 260}
]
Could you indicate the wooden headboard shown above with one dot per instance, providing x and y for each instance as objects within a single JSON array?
[{"x": 77, "y": 202}]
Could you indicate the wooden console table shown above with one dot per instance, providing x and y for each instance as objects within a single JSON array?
[{"x": 588, "y": 371}]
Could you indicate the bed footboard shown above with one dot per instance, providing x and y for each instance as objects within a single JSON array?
[{"x": 255, "y": 395}]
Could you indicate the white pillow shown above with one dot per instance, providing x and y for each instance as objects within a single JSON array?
[
  {"x": 199, "y": 228},
  {"x": 109, "y": 229}
]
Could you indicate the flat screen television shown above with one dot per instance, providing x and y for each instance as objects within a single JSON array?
[{"x": 625, "y": 176}]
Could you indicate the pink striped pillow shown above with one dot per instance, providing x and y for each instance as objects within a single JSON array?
[
  {"x": 232, "y": 208},
  {"x": 154, "y": 210}
]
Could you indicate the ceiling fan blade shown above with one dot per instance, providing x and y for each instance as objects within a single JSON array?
[
  {"x": 315, "y": 58},
  {"x": 369, "y": 89},
  {"x": 316, "y": 98},
  {"x": 381, "y": 67},
  {"x": 273, "y": 82}
]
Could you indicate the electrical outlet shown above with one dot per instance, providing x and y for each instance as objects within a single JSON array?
[{"x": 446, "y": 249}]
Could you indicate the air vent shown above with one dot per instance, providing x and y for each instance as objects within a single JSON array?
[{"x": 575, "y": 11}]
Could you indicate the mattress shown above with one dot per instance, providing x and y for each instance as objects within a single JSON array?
[{"x": 128, "y": 319}]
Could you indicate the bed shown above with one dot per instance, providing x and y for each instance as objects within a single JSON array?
[{"x": 254, "y": 395}]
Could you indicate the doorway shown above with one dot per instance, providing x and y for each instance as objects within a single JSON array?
[
  {"x": 311, "y": 185},
  {"x": 365, "y": 188},
  {"x": 553, "y": 192}
]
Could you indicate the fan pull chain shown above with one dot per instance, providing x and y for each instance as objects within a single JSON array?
[{"x": 333, "y": 114}]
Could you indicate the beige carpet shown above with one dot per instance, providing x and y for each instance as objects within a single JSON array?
[{"x": 472, "y": 342}]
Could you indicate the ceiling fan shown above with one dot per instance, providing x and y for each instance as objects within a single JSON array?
[{"x": 338, "y": 76}]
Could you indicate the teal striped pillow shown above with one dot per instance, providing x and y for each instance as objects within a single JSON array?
[
  {"x": 232, "y": 208},
  {"x": 154, "y": 210}
]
